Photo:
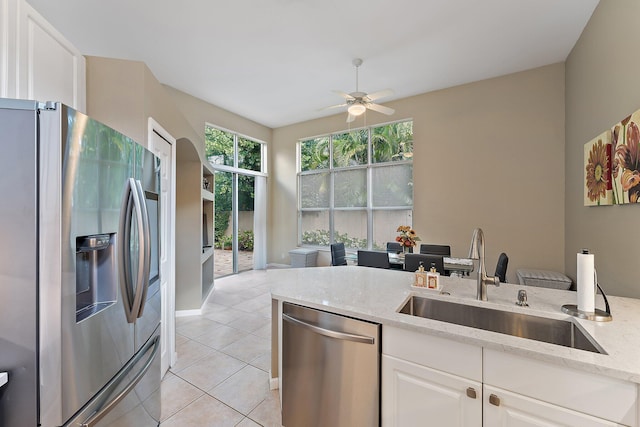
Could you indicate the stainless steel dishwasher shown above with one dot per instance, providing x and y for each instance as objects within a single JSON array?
[{"x": 330, "y": 369}]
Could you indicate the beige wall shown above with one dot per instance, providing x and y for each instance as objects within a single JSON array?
[
  {"x": 114, "y": 94},
  {"x": 601, "y": 89},
  {"x": 199, "y": 112},
  {"x": 124, "y": 94},
  {"x": 488, "y": 154}
]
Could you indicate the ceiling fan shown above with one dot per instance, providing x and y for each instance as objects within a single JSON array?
[{"x": 358, "y": 102}]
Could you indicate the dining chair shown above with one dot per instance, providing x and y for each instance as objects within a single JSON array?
[
  {"x": 394, "y": 247},
  {"x": 444, "y": 250},
  {"x": 412, "y": 262},
  {"x": 338, "y": 254},
  {"x": 375, "y": 259},
  {"x": 501, "y": 267}
]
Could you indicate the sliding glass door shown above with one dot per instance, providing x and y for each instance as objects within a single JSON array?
[
  {"x": 240, "y": 202},
  {"x": 246, "y": 211},
  {"x": 223, "y": 224}
]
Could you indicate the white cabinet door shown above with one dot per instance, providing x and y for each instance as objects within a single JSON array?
[
  {"x": 583, "y": 392},
  {"x": 49, "y": 68},
  {"x": 8, "y": 31},
  {"x": 506, "y": 409},
  {"x": 414, "y": 395}
]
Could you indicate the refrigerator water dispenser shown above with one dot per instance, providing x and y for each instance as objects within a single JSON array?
[{"x": 96, "y": 279}]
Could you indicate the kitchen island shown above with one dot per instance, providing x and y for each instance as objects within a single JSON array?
[{"x": 376, "y": 295}]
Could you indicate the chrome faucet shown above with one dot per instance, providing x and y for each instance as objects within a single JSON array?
[{"x": 476, "y": 251}]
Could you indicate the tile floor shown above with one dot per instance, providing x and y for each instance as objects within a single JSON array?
[{"x": 221, "y": 377}]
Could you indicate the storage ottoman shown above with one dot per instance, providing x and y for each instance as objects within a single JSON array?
[
  {"x": 543, "y": 279},
  {"x": 302, "y": 257}
]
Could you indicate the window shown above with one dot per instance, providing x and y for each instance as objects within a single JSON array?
[
  {"x": 240, "y": 205},
  {"x": 356, "y": 187},
  {"x": 219, "y": 146},
  {"x": 249, "y": 154}
]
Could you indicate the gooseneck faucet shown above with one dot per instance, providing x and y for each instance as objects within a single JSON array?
[{"x": 476, "y": 251}]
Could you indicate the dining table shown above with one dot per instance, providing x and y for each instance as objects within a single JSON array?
[{"x": 455, "y": 266}]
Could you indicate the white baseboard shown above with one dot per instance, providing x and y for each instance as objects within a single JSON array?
[
  {"x": 273, "y": 382},
  {"x": 272, "y": 266},
  {"x": 187, "y": 313}
]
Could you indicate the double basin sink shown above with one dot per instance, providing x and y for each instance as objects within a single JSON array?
[{"x": 554, "y": 331}]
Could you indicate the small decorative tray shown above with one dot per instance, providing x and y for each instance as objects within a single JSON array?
[{"x": 424, "y": 288}]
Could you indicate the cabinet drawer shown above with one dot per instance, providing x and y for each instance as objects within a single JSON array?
[
  {"x": 592, "y": 394},
  {"x": 445, "y": 355}
]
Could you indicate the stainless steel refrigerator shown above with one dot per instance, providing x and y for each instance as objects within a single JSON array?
[{"x": 79, "y": 271}]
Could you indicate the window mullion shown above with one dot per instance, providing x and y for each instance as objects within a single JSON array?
[
  {"x": 235, "y": 216},
  {"x": 299, "y": 202},
  {"x": 332, "y": 211},
  {"x": 235, "y": 151},
  {"x": 332, "y": 237},
  {"x": 369, "y": 193}
]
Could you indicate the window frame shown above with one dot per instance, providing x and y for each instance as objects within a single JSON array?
[
  {"x": 235, "y": 168},
  {"x": 236, "y": 172},
  {"x": 370, "y": 166}
]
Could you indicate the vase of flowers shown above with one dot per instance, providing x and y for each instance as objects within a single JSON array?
[{"x": 407, "y": 238}]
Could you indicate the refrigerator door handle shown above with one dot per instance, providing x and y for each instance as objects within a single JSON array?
[
  {"x": 100, "y": 413},
  {"x": 329, "y": 333},
  {"x": 124, "y": 269},
  {"x": 130, "y": 203},
  {"x": 145, "y": 245}
]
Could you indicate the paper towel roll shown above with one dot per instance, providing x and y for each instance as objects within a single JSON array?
[{"x": 586, "y": 282}]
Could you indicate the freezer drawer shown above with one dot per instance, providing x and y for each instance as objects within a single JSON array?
[
  {"x": 132, "y": 397},
  {"x": 330, "y": 369}
]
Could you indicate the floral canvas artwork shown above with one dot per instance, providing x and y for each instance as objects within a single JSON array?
[
  {"x": 625, "y": 149},
  {"x": 597, "y": 171}
]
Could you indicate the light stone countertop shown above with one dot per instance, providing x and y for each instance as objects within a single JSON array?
[{"x": 376, "y": 295}]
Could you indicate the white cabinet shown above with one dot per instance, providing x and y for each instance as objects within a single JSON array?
[
  {"x": 507, "y": 409},
  {"x": 414, "y": 395},
  {"x": 569, "y": 394},
  {"x": 428, "y": 380},
  {"x": 36, "y": 61},
  {"x": 8, "y": 47}
]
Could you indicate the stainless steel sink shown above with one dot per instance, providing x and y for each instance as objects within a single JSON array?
[{"x": 554, "y": 331}]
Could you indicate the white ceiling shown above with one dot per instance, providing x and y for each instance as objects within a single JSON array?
[{"x": 277, "y": 61}]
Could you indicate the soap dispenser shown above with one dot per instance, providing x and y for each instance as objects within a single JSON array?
[
  {"x": 420, "y": 277},
  {"x": 433, "y": 277}
]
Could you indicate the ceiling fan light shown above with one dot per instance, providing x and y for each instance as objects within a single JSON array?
[{"x": 356, "y": 109}]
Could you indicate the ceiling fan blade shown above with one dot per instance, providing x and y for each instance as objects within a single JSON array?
[
  {"x": 380, "y": 94},
  {"x": 350, "y": 118},
  {"x": 345, "y": 95},
  {"x": 380, "y": 109},
  {"x": 333, "y": 106}
]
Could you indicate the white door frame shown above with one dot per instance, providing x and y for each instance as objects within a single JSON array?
[{"x": 168, "y": 303}]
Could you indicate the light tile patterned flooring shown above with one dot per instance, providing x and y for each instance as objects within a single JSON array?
[{"x": 221, "y": 377}]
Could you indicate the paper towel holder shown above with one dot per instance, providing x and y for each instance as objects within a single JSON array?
[{"x": 597, "y": 315}]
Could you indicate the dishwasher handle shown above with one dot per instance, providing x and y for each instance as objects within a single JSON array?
[{"x": 329, "y": 333}]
